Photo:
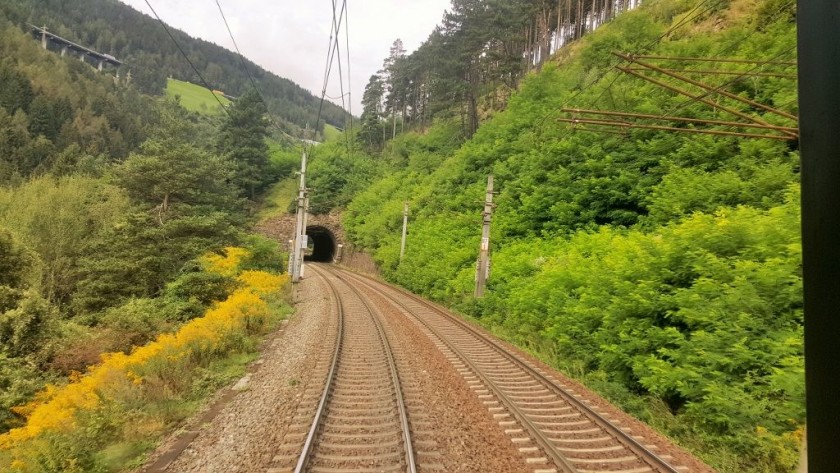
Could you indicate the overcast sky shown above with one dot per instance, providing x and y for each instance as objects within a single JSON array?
[{"x": 290, "y": 38}]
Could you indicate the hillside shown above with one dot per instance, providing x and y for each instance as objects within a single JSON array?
[
  {"x": 195, "y": 97},
  {"x": 111, "y": 27},
  {"x": 661, "y": 267}
]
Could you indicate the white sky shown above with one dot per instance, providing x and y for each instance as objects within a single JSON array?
[{"x": 290, "y": 38}]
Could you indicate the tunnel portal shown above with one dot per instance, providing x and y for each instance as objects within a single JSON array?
[{"x": 322, "y": 245}]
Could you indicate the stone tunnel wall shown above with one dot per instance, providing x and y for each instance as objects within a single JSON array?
[{"x": 282, "y": 229}]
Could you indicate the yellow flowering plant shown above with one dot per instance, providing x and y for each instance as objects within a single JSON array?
[{"x": 122, "y": 377}]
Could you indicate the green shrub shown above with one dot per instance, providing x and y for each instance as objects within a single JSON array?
[
  {"x": 137, "y": 322},
  {"x": 20, "y": 379},
  {"x": 265, "y": 254},
  {"x": 195, "y": 290},
  {"x": 25, "y": 329}
]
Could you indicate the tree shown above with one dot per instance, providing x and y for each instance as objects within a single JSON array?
[
  {"x": 394, "y": 77},
  {"x": 372, "y": 132},
  {"x": 14, "y": 265},
  {"x": 56, "y": 219},
  {"x": 176, "y": 180},
  {"x": 242, "y": 140},
  {"x": 15, "y": 89},
  {"x": 185, "y": 204}
]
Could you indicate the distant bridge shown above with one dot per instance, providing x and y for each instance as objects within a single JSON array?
[{"x": 66, "y": 45}]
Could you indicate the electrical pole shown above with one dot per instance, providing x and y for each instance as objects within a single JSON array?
[
  {"x": 300, "y": 230},
  {"x": 404, "y": 231},
  {"x": 305, "y": 238},
  {"x": 818, "y": 34},
  {"x": 483, "y": 268}
]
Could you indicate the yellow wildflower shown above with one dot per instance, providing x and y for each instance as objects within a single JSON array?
[{"x": 55, "y": 408}]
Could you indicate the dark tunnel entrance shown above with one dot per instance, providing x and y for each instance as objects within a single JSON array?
[{"x": 322, "y": 245}]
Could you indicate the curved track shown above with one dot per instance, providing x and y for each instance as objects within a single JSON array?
[
  {"x": 554, "y": 429},
  {"x": 360, "y": 423}
]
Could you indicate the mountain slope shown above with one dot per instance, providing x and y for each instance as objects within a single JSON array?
[{"x": 111, "y": 27}]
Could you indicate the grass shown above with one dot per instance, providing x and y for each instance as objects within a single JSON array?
[
  {"x": 194, "y": 97},
  {"x": 131, "y": 454},
  {"x": 332, "y": 133},
  {"x": 277, "y": 199}
]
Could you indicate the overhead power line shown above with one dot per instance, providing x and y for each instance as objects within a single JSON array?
[
  {"x": 247, "y": 70},
  {"x": 337, "y": 51},
  {"x": 335, "y": 30},
  {"x": 177, "y": 45},
  {"x": 349, "y": 78}
]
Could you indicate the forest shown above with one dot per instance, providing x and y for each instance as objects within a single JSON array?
[
  {"x": 473, "y": 61},
  {"x": 123, "y": 223},
  {"x": 660, "y": 267},
  {"x": 111, "y": 27}
]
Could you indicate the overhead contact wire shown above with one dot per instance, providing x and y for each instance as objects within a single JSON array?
[
  {"x": 177, "y": 45},
  {"x": 246, "y": 69}
]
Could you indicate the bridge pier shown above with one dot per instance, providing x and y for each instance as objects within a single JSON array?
[{"x": 44, "y": 37}]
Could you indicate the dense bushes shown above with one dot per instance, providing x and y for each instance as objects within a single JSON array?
[
  {"x": 704, "y": 314},
  {"x": 57, "y": 218}
]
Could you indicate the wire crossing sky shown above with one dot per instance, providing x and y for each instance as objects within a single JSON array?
[{"x": 289, "y": 38}]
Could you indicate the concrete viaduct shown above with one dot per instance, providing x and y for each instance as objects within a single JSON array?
[{"x": 66, "y": 45}]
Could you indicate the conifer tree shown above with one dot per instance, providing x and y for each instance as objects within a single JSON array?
[
  {"x": 372, "y": 132},
  {"x": 242, "y": 140}
]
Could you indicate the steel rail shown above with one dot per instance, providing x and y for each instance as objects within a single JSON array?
[
  {"x": 723, "y": 73},
  {"x": 711, "y": 89},
  {"x": 644, "y": 454},
  {"x": 303, "y": 460},
  {"x": 409, "y": 451},
  {"x": 699, "y": 98}
]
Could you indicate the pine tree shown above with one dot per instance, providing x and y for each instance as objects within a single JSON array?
[
  {"x": 394, "y": 72},
  {"x": 371, "y": 132},
  {"x": 242, "y": 140}
]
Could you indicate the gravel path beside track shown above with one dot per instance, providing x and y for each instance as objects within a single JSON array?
[{"x": 242, "y": 437}]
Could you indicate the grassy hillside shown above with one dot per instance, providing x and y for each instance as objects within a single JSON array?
[
  {"x": 661, "y": 268},
  {"x": 195, "y": 97}
]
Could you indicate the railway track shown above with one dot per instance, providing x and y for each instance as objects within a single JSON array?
[
  {"x": 554, "y": 429},
  {"x": 359, "y": 422}
]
